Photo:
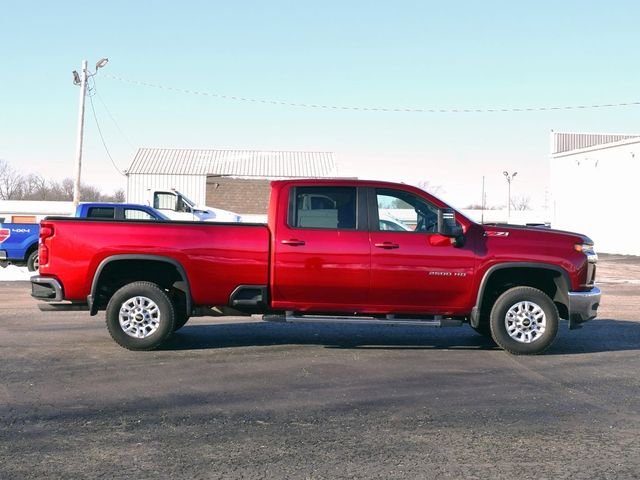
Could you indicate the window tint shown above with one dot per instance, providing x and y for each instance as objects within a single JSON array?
[
  {"x": 101, "y": 212},
  {"x": 413, "y": 211},
  {"x": 325, "y": 207},
  {"x": 135, "y": 214}
]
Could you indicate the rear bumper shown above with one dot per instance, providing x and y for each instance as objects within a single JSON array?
[
  {"x": 46, "y": 288},
  {"x": 583, "y": 306},
  {"x": 3, "y": 254}
]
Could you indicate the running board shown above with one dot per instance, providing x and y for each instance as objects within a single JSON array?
[
  {"x": 62, "y": 307},
  {"x": 436, "y": 321}
]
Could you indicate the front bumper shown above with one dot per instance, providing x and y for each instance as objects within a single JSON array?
[
  {"x": 583, "y": 306},
  {"x": 46, "y": 288}
]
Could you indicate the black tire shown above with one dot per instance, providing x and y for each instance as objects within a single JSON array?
[
  {"x": 528, "y": 309},
  {"x": 32, "y": 261},
  {"x": 179, "y": 300},
  {"x": 147, "y": 312}
]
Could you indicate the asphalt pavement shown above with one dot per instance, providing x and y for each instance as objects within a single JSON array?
[{"x": 240, "y": 398}]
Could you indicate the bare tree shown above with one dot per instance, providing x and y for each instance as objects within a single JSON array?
[
  {"x": 67, "y": 188},
  {"x": 521, "y": 203},
  {"x": 477, "y": 206},
  {"x": 35, "y": 187},
  {"x": 11, "y": 182},
  {"x": 16, "y": 186},
  {"x": 427, "y": 186},
  {"x": 89, "y": 193},
  {"x": 118, "y": 196},
  {"x": 60, "y": 191}
]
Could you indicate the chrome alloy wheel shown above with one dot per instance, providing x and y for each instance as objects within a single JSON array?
[
  {"x": 525, "y": 322},
  {"x": 139, "y": 317}
]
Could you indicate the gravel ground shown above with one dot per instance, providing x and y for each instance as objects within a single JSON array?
[{"x": 240, "y": 398}]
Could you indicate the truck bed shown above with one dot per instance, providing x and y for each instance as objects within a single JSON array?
[{"x": 217, "y": 257}]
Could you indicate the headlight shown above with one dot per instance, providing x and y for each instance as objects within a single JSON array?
[{"x": 588, "y": 250}]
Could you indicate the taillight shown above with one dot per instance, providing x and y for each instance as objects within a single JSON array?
[
  {"x": 43, "y": 254},
  {"x": 46, "y": 231},
  {"x": 4, "y": 234}
]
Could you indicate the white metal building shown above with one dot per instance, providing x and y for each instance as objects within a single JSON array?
[
  {"x": 594, "y": 183},
  {"x": 187, "y": 170}
]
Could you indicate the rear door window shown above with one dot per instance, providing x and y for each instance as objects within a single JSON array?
[{"x": 331, "y": 208}]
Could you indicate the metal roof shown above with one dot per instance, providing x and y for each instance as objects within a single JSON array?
[
  {"x": 239, "y": 163},
  {"x": 566, "y": 142}
]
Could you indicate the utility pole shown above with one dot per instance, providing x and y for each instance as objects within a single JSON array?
[
  {"x": 509, "y": 178},
  {"x": 83, "y": 94},
  {"x": 81, "y": 80}
]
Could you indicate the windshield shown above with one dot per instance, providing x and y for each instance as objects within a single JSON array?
[{"x": 186, "y": 199}]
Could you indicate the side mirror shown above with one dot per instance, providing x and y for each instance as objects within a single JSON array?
[{"x": 448, "y": 226}]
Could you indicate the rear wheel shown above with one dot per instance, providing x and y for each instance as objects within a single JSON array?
[
  {"x": 524, "y": 321},
  {"x": 140, "y": 316},
  {"x": 33, "y": 261}
]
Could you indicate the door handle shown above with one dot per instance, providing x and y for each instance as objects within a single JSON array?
[
  {"x": 387, "y": 245},
  {"x": 294, "y": 242}
]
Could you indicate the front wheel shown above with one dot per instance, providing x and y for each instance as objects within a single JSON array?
[
  {"x": 140, "y": 316},
  {"x": 524, "y": 321}
]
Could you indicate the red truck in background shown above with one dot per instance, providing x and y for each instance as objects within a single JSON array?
[{"x": 324, "y": 256}]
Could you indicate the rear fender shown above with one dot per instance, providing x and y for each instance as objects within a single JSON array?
[{"x": 183, "y": 284}]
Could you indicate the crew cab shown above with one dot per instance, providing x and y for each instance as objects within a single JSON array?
[{"x": 325, "y": 261}]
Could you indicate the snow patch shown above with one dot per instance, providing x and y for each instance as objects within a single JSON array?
[{"x": 13, "y": 273}]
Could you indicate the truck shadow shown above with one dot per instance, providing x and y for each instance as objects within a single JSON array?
[{"x": 597, "y": 336}]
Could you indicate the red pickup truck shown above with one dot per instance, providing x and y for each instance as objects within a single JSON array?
[{"x": 325, "y": 255}]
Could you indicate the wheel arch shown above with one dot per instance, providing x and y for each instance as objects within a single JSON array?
[
  {"x": 559, "y": 276},
  {"x": 30, "y": 249},
  {"x": 171, "y": 270}
]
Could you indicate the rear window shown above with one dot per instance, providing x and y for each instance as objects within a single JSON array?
[{"x": 101, "y": 212}]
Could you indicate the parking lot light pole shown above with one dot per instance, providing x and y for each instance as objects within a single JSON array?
[
  {"x": 509, "y": 178},
  {"x": 81, "y": 80}
]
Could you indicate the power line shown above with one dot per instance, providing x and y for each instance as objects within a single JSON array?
[
  {"x": 104, "y": 144},
  {"x": 94, "y": 91},
  {"x": 370, "y": 109}
]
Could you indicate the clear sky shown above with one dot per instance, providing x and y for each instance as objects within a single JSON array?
[{"x": 423, "y": 54}]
